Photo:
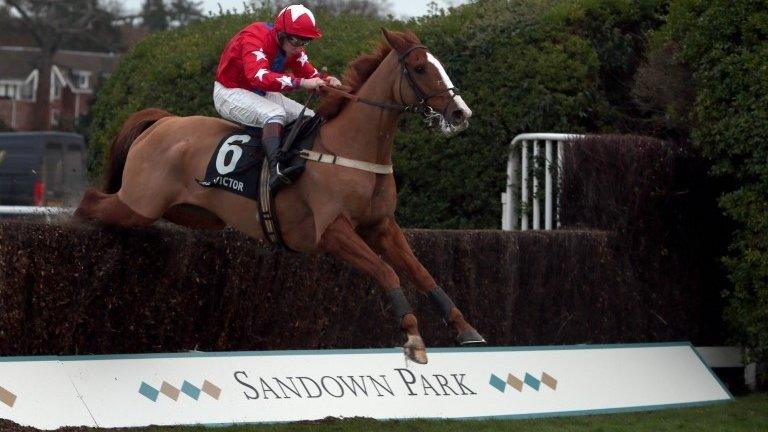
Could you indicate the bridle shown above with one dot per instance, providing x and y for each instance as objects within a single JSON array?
[{"x": 421, "y": 107}]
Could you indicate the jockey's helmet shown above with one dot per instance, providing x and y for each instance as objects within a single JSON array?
[{"x": 297, "y": 20}]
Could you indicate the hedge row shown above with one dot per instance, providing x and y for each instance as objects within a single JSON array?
[
  {"x": 68, "y": 288},
  {"x": 723, "y": 48}
]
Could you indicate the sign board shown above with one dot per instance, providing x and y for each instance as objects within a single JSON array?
[{"x": 283, "y": 386}]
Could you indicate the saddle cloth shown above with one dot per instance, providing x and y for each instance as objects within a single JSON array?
[{"x": 236, "y": 164}]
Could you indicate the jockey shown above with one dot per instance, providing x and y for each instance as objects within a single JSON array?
[{"x": 252, "y": 76}]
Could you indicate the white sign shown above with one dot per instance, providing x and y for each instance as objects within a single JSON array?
[{"x": 251, "y": 387}]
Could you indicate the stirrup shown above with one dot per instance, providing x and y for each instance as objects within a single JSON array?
[{"x": 277, "y": 179}]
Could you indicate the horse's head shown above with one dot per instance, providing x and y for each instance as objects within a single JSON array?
[{"x": 425, "y": 84}]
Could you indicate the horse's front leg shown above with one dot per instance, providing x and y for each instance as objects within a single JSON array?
[
  {"x": 387, "y": 239},
  {"x": 341, "y": 240}
]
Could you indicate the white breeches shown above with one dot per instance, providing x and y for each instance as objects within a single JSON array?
[{"x": 252, "y": 109}]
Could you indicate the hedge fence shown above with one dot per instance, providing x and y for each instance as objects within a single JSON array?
[{"x": 69, "y": 288}]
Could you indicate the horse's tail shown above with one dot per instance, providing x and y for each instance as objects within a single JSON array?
[{"x": 137, "y": 123}]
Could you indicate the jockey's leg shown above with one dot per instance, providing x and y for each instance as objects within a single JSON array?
[
  {"x": 388, "y": 240},
  {"x": 291, "y": 108},
  {"x": 254, "y": 110},
  {"x": 341, "y": 240},
  {"x": 272, "y": 139},
  {"x": 289, "y": 111}
]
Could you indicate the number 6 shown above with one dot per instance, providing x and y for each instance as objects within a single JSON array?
[{"x": 227, "y": 147}]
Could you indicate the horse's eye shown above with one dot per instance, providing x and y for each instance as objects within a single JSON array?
[{"x": 419, "y": 69}]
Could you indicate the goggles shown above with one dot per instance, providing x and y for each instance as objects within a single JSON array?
[{"x": 297, "y": 41}]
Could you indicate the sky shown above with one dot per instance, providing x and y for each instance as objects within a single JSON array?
[{"x": 400, "y": 8}]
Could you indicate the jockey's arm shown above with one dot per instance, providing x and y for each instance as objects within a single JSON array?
[
  {"x": 303, "y": 68},
  {"x": 257, "y": 70}
]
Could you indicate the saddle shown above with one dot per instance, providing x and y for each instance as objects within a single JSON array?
[{"x": 239, "y": 166}]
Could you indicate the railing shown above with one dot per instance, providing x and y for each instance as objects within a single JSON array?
[
  {"x": 519, "y": 202},
  {"x": 8, "y": 211}
]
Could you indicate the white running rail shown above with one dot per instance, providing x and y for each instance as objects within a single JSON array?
[
  {"x": 34, "y": 211},
  {"x": 518, "y": 203}
]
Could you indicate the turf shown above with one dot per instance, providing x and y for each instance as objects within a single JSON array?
[{"x": 749, "y": 413}]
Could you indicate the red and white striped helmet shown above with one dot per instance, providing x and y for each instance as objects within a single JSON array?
[{"x": 297, "y": 20}]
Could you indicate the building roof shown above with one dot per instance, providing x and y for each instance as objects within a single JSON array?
[{"x": 16, "y": 63}]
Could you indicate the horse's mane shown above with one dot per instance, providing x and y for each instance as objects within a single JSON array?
[{"x": 357, "y": 73}]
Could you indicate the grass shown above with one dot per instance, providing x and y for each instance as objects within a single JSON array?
[{"x": 749, "y": 413}]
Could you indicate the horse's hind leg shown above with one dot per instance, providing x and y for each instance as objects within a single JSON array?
[
  {"x": 387, "y": 239},
  {"x": 108, "y": 208}
]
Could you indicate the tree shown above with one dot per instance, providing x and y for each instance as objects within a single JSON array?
[
  {"x": 160, "y": 15},
  {"x": 54, "y": 24},
  {"x": 155, "y": 15},
  {"x": 184, "y": 12}
]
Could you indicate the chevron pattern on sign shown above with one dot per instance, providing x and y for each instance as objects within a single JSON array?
[
  {"x": 7, "y": 397},
  {"x": 173, "y": 392},
  {"x": 518, "y": 384}
]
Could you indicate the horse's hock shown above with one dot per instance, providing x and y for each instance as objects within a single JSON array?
[{"x": 72, "y": 288}]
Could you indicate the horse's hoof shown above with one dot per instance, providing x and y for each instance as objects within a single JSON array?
[
  {"x": 415, "y": 349},
  {"x": 470, "y": 338}
]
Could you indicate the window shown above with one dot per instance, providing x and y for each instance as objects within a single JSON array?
[
  {"x": 27, "y": 91},
  {"x": 55, "y": 118},
  {"x": 53, "y": 166},
  {"x": 81, "y": 79},
  {"x": 74, "y": 177},
  {"x": 56, "y": 89},
  {"x": 7, "y": 91}
]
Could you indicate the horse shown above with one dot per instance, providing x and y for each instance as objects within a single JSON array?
[{"x": 345, "y": 211}]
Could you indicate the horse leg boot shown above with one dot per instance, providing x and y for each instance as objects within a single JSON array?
[
  {"x": 387, "y": 239},
  {"x": 341, "y": 240}
]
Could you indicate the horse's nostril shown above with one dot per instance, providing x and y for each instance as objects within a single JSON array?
[{"x": 458, "y": 115}]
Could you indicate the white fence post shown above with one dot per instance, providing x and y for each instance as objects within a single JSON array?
[
  {"x": 536, "y": 189},
  {"x": 524, "y": 187},
  {"x": 518, "y": 170},
  {"x": 548, "y": 185}
]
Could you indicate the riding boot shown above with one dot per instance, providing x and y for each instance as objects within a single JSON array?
[{"x": 271, "y": 138}]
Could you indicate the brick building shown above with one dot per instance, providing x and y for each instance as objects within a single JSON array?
[{"x": 74, "y": 76}]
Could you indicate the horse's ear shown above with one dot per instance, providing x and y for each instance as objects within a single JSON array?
[
  {"x": 394, "y": 40},
  {"x": 411, "y": 36}
]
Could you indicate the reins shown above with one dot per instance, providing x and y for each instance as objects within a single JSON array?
[
  {"x": 420, "y": 108},
  {"x": 344, "y": 91}
]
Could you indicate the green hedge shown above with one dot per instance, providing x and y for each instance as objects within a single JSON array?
[
  {"x": 725, "y": 45},
  {"x": 522, "y": 66}
]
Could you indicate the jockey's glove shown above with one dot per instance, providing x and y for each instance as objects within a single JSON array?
[{"x": 312, "y": 83}]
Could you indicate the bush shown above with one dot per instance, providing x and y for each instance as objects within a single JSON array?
[{"x": 725, "y": 44}]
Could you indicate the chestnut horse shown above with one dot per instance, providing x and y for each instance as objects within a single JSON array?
[{"x": 345, "y": 211}]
